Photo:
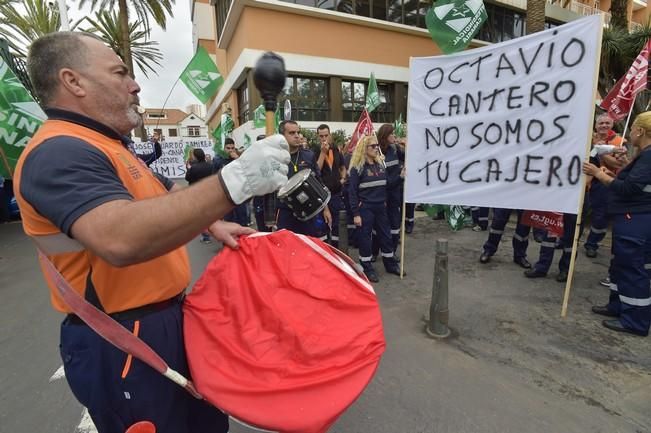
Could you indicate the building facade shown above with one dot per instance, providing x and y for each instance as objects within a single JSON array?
[
  {"x": 330, "y": 48},
  {"x": 174, "y": 124}
]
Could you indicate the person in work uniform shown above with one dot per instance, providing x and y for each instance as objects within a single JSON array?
[
  {"x": 548, "y": 245},
  {"x": 597, "y": 193},
  {"x": 197, "y": 169},
  {"x": 368, "y": 195},
  {"x": 394, "y": 160},
  {"x": 629, "y": 206},
  {"x": 479, "y": 218},
  {"x": 333, "y": 174},
  {"x": 495, "y": 232},
  {"x": 300, "y": 159},
  {"x": 109, "y": 226}
]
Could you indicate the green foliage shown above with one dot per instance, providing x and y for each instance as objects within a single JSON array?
[
  {"x": 312, "y": 140},
  {"x": 144, "y": 52},
  {"x": 20, "y": 24},
  {"x": 618, "y": 50},
  {"x": 339, "y": 138},
  {"x": 144, "y": 9}
]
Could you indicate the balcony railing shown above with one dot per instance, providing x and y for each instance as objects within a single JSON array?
[{"x": 584, "y": 9}]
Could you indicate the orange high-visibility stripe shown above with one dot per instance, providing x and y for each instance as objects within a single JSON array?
[{"x": 127, "y": 365}]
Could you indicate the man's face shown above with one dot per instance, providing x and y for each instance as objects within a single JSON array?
[
  {"x": 603, "y": 125},
  {"x": 110, "y": 94},
  {"x": 324, "y": 136},
  {"x": 292, "y": 135},
  {"x": 230, "y": 149}
]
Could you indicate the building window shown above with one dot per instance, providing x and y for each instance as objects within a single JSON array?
[
  {"x": 156, "y": 116},
  {"x": 308, "y": 96},
  {"x": 409, "y": 12},
  {"x": 172, "y": 132},
  {"x": 502, "y": 24},
  {"x": 194, "y": 131},
  {"x": 221, "y": 11},
  {"x": 244, "y": 109},
  {"x": 353, "y": 97}
]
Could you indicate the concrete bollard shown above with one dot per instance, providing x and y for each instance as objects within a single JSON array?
[
  {"x": 343, "y": 231},
  {"x": 438, "y": 309}
]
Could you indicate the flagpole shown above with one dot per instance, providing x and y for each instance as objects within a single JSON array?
[
  {"x": 6, "y": 162},
  {"x": 167, "y": 99},
  {"x": 628, "y": 118},
  {"x": 579, "y": 216}
]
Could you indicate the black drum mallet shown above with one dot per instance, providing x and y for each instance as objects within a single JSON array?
[{"x": 269, "y": 77}]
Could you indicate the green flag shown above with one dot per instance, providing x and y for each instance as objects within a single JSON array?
[
  {"x": 20, "y": 117},
  {"x": 399, "y": 128},
  {"x": 201, "y": 76},
  {"x": 453, "y": 23},
  {"x": 278, "y": 117},
  {"x": 372, "y": 96},
  {"x": 258, "y": 117},
  {"x": 186, "y": 152},
  {"x": 222, "y": 131}
]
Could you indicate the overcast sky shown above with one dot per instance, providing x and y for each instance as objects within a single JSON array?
[{"x": 176, "y": 46}]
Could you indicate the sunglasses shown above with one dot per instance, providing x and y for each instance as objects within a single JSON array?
[{"x": 373, "y": 145}]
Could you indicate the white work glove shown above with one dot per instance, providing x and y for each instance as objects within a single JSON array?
[{"x": 260, "y": 170}]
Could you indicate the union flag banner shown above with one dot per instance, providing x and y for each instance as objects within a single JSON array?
[
  {"x": 364, "y": 127},
  {"x": 619, "y": 100}
]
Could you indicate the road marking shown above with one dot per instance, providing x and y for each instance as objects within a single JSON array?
[
  {"x": 86, "y": 424},
  {"x": 59, "y": 374}
]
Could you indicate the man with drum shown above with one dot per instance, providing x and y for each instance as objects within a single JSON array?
[
  {"x": 300, "y": 159},
  {"x": 109, "y": 226}
]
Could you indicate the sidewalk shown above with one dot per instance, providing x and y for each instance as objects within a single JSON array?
[{"x": 512, "y": 364}]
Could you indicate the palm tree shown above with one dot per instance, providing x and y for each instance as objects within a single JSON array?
[
  {"x": 144, "y": 51},
  {"x": 20, "y": 27},
  {"x": 144, "y": 9},
  {"x": 618, "y": 17},
  {"x": 535, "y": 16}
]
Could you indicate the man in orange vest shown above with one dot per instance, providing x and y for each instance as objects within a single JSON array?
[
  {"x": 597, "y": 194},
  {"x": 110, "y": 227}
]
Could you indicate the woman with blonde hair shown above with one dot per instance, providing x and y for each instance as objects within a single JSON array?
[
  {"x": 368, "y": 195},
  {"x": 629, "y": 206}
]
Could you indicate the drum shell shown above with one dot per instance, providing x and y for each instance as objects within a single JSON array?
[{"x": 307, "y": 197}]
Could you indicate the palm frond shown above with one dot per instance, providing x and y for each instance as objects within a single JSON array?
[{"x": 144, "y": 52}]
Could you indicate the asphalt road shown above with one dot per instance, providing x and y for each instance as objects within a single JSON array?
[{"x": 511, "y": 364}]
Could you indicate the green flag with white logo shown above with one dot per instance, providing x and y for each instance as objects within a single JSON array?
[
  {"x": 453, "y": 23},
  {"x": 372, "y": 96},
  {"x": 223, "y": 130},
  {"x": 399, "y": 128},
  {"x": 258, "y": 117},
  {"x": 201, "y": 76},
  {"x": 20, "y": 117}
]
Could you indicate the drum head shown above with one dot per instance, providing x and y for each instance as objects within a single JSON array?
[{"x": 294, "y": 181}]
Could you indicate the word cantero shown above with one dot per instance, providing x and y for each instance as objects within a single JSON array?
[{"x": 549, "y": 170}]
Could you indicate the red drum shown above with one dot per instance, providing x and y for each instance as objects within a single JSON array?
[{"x": 282, "y": 333}]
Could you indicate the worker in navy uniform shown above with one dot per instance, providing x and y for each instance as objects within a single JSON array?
[
  {"x": 479, "y": 218},
  {"x": 394, "y": 160},
  {"x": 629, "y": 207},
  {"x": 368, "y": 195},
  {"x": 300, "y": 159},
  {"x": 333, "y": 174},
  {"x": 548, "y": 245},
  {"x": 520, "y": 238},
  {"x": 597, "y": 197}
]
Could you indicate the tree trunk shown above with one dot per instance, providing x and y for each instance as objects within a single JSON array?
[
  {"x": 535, "y": 16},
  {"x": 123, "y": 18},
  {"x": 618, "y": 15}
]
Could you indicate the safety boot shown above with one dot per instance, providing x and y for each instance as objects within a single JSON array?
[{"x": 369, "y": 271}]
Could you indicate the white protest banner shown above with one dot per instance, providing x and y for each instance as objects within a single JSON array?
[
  {"x": 505, "y": 125},
  {"x": 171, "y": 163}
]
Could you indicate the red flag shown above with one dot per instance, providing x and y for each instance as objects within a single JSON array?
[
  {"x": 364, "y": 127},
  {"x": 619, "y": 100}
]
